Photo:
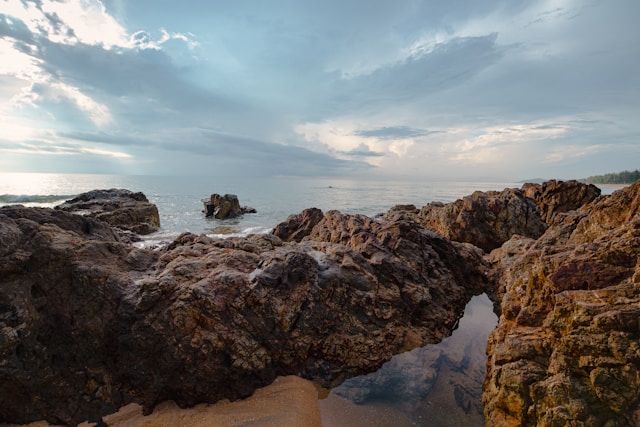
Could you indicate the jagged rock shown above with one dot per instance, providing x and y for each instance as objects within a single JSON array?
[
  {"x": 120, "y": 208},
  {"x": 566, "y": 350},
  {"x": 484, "y": 219},
  {"x": 89, "y": 324},
  {"x": 554, "y": 197},
  {"x": 298, "y": 226},
  {"x": 223, "y": 207}
]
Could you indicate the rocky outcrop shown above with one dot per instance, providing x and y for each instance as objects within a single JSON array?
[
  {"x": 484, "y": 219},
  {"x": 89, "y": 324},
  {"x": 223, "y": 207},
  {"x": 298, "y": 226},
  {"x": 120, "y": 208},
  {"x": 566, "y": 348},
  {"x": 553, "y": 197}
]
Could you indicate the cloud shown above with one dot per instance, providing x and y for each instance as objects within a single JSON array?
[
  {"x": 509, "y": 87},
  {"x": 447, "y": 65},
  {"x": 362, "y": 150},
  {"x": 394, "y": 132}
]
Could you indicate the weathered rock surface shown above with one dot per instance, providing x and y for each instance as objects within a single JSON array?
[
  {"x": 89, "y": 324},
  {"x": 298, "y": 226},
  {"x": 484, "y": 219},
  {"x": 223, "y": 207},
  {"x": 553, "y": 197},
  {"x": 120, "y": 208},
  {"x": 567, "y": 347}
]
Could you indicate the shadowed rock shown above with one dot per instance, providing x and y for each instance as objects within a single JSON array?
[
  {"x": 298, "y": 226},
  {"x": 484, "y": 219},
  {"x": 223, "y": 207},
  {"x": 553, "y": 197},
  {"x": 89, "y": 324},
  {"x": 120, "y": 208}
]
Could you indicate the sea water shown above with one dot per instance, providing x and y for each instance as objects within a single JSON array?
[{"x": 179, "y": 198}]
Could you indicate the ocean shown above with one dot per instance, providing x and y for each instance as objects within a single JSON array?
[
  {"x": 436, "y": 385},
  {"x": 179, "y": 198}
]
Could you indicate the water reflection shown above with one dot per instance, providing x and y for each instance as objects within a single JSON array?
[{"x": 436, "y": 385}]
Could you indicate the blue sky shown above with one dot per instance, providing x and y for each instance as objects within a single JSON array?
[{"x": 465, "y": 89}]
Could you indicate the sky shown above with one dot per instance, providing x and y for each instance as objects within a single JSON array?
[{"x": 501, "y": 90}]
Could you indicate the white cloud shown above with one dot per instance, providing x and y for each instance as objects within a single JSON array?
[
  {"x": 475, "y": 145},
  {"x": 562, "y": 153}
]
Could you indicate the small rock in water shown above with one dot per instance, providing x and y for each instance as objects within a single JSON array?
[{"x": 223, "y": 207}]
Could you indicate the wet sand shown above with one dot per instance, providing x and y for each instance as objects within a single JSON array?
[{"x": 288, "y": 402}]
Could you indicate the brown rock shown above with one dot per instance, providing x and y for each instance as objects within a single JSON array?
[
  {"x": 484, "y": 219},
  {"x": 120, "y": 208},
  {"x": 88, "y": 324},
  {"x": 227, "y": 206},
  {"x": 297, "y": 227},
  {"x": 554, "y": 197},
  {"x": 566, "y": 348}
]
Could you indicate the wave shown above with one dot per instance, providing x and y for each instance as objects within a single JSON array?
[{"x": 9, "y": 199}]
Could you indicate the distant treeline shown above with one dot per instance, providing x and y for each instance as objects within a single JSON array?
[{"x": 625, "y": 177}]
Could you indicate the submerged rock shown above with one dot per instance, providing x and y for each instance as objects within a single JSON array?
[{"x": 120, "y": 208}]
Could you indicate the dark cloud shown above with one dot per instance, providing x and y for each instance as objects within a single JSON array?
[
  {"x": 449, "y": 64},
  {"x": 362, "y": 150},
  {"x": 394, "y": 132},
  {"x": 498, "y": 73},
  {"x": 263, "y": 156}
]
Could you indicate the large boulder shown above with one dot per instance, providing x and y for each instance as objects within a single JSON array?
[
  {"x": 553, "y": 197},
  {"x": 566, "y": 350},
  {"x": 298, "y": 226},
  {"x": 89, "y": 324},
  {"x": 484, "y": 219},
  {"x": 120, "y": 208}
]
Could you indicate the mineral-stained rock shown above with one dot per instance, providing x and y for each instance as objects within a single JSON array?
[
  {"x": 298, "y": 226},
  {"x": 554, "y": 197},
  {"x": 120, "y": 208},
  {"x": 89, "y": 324},
  {"x": 484, "y": 219},
  {"x": 566, "y": 350}
]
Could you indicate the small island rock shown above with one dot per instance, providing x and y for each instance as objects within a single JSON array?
[
  {"x": 223, "y": 207},
  {"x": 120, "y": 208}
]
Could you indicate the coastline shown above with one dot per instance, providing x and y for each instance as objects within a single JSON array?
[{"x": 512, "y": 259}]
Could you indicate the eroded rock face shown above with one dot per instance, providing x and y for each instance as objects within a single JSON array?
[
  {"x": 88, "y": 324},
  {"x": 566, "y": 350},
  {"x": 298, "y": 226},
  {"x": 553, "y": 197},
  {"x": 120, "y": 208},
  {"x": 60, "y": 285},
  {"x": 484, "y": 219}
]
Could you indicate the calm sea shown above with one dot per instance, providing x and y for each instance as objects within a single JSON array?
[{"x": 179, "y": 199}]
